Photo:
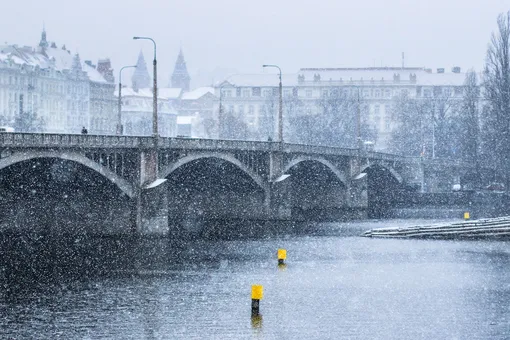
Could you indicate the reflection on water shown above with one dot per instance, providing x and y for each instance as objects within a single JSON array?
[{"x": 335, "y": 285}]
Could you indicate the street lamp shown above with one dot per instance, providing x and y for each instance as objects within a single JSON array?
[
  {"x": 154, "y": 90},
  {"x": 280, "y": 107},
  {"x": 119, "y": 114}
]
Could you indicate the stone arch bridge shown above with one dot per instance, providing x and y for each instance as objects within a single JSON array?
[{"x": 184, "y": 179}]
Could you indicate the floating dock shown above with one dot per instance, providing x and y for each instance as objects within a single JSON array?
[{"x": 494, "y": 228}]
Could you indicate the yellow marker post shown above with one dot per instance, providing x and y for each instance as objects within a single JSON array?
[
  {"x": 257, "y": 293},
  {"x": 282, "y": 256},
  {"x": 466, "y": 215}
]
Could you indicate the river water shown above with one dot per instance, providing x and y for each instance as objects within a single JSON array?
[{"x": 336, "y": 285}]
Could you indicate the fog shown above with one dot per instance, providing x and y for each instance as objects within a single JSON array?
[{"x": 222, "y": 37}]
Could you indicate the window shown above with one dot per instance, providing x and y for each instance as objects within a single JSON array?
[
  {"x": 387, "y": 93},
  {"x": 256, "y": 92},
  {"x": 246, "y": 92},
  {"x": 377, "y": 93},
  {"x": 267, "y": 93},
  {"x": 286, "y": 93},
  {"x": 427, "y": 93},
  {"x": 226, "y": 93},
  {"x": 251, "y": 109},
  {"x": 325, "y": 93},
  {"x": 309, "y": 93},
  {"x": 238, "y": 92}
]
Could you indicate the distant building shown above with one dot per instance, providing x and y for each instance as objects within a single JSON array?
[
  {"x": 65, "y": 92},
  {"x": 137, "y": 113},
  {"x": 196, "y": 113},
  {"x": 181, "y": 112},
  {"x": 254, "y": 98}
]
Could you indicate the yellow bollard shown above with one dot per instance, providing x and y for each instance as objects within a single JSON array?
[
  {"x": 282, "y": 256},
  {"x": 257, "y": 293},
  {"x": 466, "y": 215}
]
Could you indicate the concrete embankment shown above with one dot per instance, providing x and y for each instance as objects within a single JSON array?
[{"x": 493, "y": 228}]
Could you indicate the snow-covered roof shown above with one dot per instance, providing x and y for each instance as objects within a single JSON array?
[
  {"x": 163, "y": 93},
  {"x": 54, "y": 58},
  {"x": 169, "y": 92},
  {"x": 381, "y": 75},
  {"x": 261, "y": 79},
  {"x": 197, "y": 93}
]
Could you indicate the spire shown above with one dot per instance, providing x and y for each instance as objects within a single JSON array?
[
  {"x": 141, "y": 78},
  {"x": 76, "y": 63},
  {"x": 180, "y": 78},
  {"x": 43, "y": 44}
]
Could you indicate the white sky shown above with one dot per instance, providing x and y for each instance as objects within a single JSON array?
[{"x": 242, "y": 35}]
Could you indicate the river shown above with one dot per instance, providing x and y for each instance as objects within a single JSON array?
[{"x": 336, "y": 285}]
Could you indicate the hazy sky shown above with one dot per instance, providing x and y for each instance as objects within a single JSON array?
[{"x": 243, "y": 35}]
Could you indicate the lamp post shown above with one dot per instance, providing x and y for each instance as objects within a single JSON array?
[
  {"x": 155, "y": 90},
  {"x": 119, "y": 114},
  {"x": 358, "y": 121},
  {"x": 280, "y": 107}
]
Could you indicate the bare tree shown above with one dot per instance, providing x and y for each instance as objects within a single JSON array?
[
  {"x": 497, "y": 93},
  {"x": 442, "y": 108},
  {"x": 408, "y": 136},
  {"x": 469, "y": 126}
]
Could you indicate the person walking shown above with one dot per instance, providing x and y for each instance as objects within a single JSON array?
[{"x": 84, "y": 131}]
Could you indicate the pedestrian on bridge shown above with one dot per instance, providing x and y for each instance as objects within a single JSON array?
[{"x": 84, "y": 131}]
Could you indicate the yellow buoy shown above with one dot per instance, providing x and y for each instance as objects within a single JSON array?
[
  {"x": 466, "y": 215},
  {"x": 282, "y": 256}
]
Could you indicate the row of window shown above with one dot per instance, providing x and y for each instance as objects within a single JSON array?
[
  {"x": 348, "y": 91},
  {"x": 32, "y": 83}
]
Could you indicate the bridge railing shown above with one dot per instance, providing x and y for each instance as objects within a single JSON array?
[
  {"x": 215, "y": 144},
  {"x": 43, "y": 140},
  {"x": 86, "y": 141}
]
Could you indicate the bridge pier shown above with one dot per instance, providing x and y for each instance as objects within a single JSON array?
[
  {"x": 152, "y": 209},
  {"x": 357, "y": 197},
  {"x": 151, "y": 197}
]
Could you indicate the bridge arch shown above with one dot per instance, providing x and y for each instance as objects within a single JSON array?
[
  {"x": 226, "y": 157},
  {"x": 340, "y": 175},
  {"x": 124, "y": 185},
  {"x": 392, "y": 171}
]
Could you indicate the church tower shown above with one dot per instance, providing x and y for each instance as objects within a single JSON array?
[
  {"x": 43, "y": 44},
  {"x": 141, "y": 78},
  {"x": 180, "y": 78}
]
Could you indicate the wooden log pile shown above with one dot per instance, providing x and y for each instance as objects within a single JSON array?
[{"x": 497, "y": 228}]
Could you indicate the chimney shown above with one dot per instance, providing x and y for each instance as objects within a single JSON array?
[
  {"x": 456, "y": 69},
  {"x": 105, "y": 68},
  {"x": 440, "y": 70}
]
